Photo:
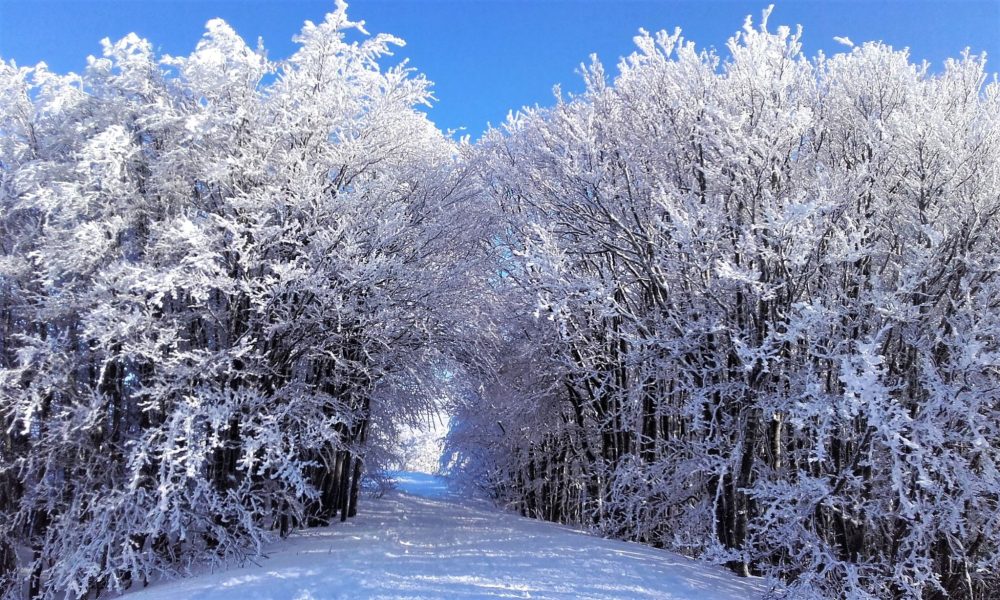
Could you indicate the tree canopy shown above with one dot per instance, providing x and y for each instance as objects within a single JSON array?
[{"x": 744, "y": 307}]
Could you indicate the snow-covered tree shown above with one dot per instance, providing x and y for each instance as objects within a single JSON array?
[
  {"x": 755, "y": 313},
  {"x": 223, "y": 281},
  {"x": 741, "y": 307}
]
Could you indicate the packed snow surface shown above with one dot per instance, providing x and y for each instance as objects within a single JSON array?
[{"x": 424, "y": 541}]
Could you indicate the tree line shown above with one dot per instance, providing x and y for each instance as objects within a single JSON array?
[
  {"x": 224, "y": 282},
  {"x": 743, "y": 307},
  {"x": 751, "y": 314}
]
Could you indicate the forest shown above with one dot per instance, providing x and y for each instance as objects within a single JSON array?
[{"x": 741, "y": 305}]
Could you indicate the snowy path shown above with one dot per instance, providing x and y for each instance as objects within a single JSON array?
[{"x": 420, "y": 542}]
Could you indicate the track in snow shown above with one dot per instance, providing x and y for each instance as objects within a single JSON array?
[{"x": 423, "y": 542}]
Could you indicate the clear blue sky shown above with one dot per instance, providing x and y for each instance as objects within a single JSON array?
[{"x": 487, "y": 57}]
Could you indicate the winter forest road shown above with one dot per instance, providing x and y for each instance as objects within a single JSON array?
[{"x": 422, "y": 541}]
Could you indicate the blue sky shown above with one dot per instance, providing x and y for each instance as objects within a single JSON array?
[{"x": 488, "y": 57}]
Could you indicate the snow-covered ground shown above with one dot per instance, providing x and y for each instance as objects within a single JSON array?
[{"x": 423, "y": 541}]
